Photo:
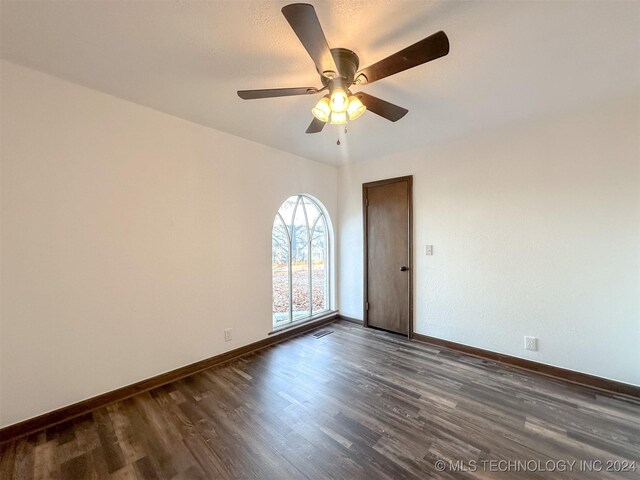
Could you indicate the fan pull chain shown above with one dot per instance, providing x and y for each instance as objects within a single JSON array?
[{"x": 345, "y": 132}]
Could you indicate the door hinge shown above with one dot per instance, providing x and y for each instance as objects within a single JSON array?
[
  {"x": 366, "y": 306},
  {"x": 366, "y": 202}
]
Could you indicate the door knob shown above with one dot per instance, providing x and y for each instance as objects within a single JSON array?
[{"x": 403, "y": 268}]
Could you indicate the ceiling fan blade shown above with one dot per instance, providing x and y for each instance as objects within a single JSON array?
[
  {"x": 304, "y": 21},
  {"x": 276, "y": 92},
  {"x": 316, "y": 126},
  {"x": 380, "y": 107},
  {"x": 430, "y": 48}
]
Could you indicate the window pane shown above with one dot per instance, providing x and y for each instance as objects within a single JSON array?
[
  {"x": 319, "y": 265},
  {"x": 313, "y": 212},
  {"x": 280, "y": 272},
  {"x": 300, "y": 263}
]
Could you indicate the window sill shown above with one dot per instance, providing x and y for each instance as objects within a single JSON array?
[{"x": 297, "y": 323}]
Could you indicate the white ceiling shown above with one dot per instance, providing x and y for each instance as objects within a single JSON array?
[{"x": 508, "y": 60}]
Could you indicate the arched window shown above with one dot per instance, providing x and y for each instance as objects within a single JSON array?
[{"x": 300, "y": 260}]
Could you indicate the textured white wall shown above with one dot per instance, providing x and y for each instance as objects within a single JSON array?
[
  {"x": 536, "y": 231},
  {"x": 130, "y": 240}
]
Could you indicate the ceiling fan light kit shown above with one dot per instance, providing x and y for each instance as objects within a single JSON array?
[{"x": 338, "y": 70}]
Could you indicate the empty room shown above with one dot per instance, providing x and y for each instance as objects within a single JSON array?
[{"x": 345, "y": 239}]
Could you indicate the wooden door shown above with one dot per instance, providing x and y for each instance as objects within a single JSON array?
[{"x": 387, "y": 254}]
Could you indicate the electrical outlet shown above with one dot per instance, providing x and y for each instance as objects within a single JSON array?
[
  {"x": 531, "y": 343},
  {"x": 428, "y": 250},
  {"x": 227, "y": 335}
]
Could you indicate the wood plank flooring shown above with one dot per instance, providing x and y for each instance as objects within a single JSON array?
[{"x": 355, "y": 404}]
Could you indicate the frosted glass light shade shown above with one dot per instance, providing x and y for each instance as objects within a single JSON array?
[
  {"x": 339, "y": 101},
  {"x": 338, "y": 118},
  {"x": 322, "y": 110},
  {"x": 356, "y": 108}
]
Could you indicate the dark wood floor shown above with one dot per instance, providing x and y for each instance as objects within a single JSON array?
[{"x": 355, "y": 404}]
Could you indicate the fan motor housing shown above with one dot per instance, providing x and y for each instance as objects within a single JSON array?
[{"x": 347, "y": 62}]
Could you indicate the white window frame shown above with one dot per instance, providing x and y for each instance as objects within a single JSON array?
[{"x": 310, "y": 229}]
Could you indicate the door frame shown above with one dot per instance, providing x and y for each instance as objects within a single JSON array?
[{"x": 365, "y": 187}]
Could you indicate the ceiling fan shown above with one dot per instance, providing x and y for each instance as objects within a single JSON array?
[{"x": 338, "y": 69}]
